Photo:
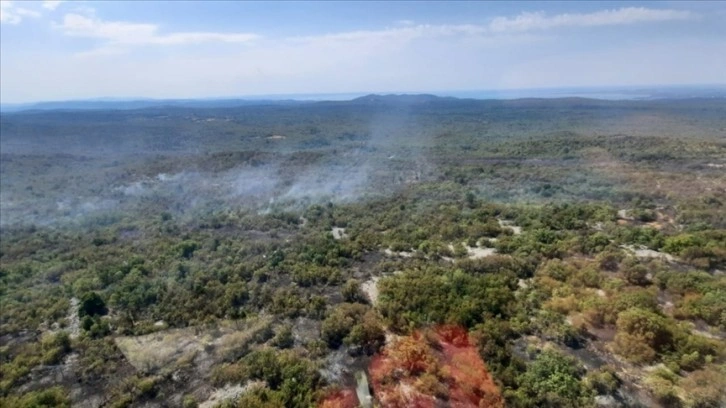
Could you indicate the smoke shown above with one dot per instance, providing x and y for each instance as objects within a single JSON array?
[
  {"x": 391, "y": 156},
  {"x": 122, "y": 178}
]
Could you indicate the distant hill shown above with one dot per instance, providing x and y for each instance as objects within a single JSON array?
[
  {"x": 597, "y": 96},
  {"x": 402, "y": 99}
]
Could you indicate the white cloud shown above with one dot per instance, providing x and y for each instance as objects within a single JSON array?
[
  {"x": 406, "y": 29},
  {"x": 406, "y": 33},
  {"x": 51, "y": 4},
  {"x": 402, "y": 57},
  {"x": 121, "y": 33},
  {"x": 125, "y": 33},
  {"x": 11, "y": 14},
  {"x": 621, "y": 16}
]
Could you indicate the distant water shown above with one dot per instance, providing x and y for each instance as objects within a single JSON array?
[
  {"x": 639, "y": 93},
  {"x": 547, "y": 94}
]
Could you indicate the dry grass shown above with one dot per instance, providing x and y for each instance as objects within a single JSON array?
[{"x": 155, "y": 351}]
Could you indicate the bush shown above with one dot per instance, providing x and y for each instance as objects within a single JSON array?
[
  {"x": 92, "y": 305},
  {"x": 553, "y": 380},
  {"x": 340, "y": 322},
  {"x": 368, "y": 334},
  {"x": 352, "y": 292},
  {"x": 292, "y": 378},
  {"x": 711, "y": 307},
  {"x": 603, "y": 380},
  {"x": 557, "y": 270},
  {"x": 678, "y": 243},
  {"x": 354, "y": 325},
  {"x": 641, "y": 334},
  {"x": 706, "y": 388},
  {"x": 634, "y": 348},
  {"x": 186, "y": 249},
  {"x": 54, "y": 397},
  {"x": 636, "y": 274},
  {"x": 664, "y": 390},
  {"x": 284, "y": 337},
  {"x": 189, "y": 402},
  {"x": 55, "y": 346},
  {"x": 258, "y": 397},
  {"x": 609, "y": 260},
  {"x": 645, "y": 215},
  {"x": 445, "y": 296}
]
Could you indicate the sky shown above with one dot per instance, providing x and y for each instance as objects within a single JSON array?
[{"x": 65, "y": 50}]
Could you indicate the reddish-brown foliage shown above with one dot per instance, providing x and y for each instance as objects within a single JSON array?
[
  {"x": 344, "y": 398},
  {"x": 425, "y": 368}
]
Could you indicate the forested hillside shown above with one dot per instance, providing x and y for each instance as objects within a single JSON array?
[{"x": 570, "y": 251}]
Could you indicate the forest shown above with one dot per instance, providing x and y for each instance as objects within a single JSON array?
[{"x": 388, "y": 251}]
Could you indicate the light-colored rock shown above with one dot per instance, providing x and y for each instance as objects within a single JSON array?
[
  {"x": 509, "y": 224},
  {"x": 339, "y": 233},
  {"x": 403, "y": 254},
  {"x": 477, "y": 253},
  {"x": 623, "y": 215},
  {"x": 370, "y": 288},
  {"x": 606, "y": 401},
  {"x": 642, "y": 252}
]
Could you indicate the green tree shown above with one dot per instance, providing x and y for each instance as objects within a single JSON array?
[
  {"x": 92, "y": 305},
  {"x": 553, "y": 380}
]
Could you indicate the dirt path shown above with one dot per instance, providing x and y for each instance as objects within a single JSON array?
[{"x": 74, "y": 321}]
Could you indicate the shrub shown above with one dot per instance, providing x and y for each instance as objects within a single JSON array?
[
  {"x": 92, "y": 305},
  {"x": 186, "y": 249},
  {"x": 340, "y": 322},
  {"x": 641, "y": 334},
  {"x": 292, "y": 378},
  {"x": 368, "y": 334},
  {"x": 663, "y": 390},
  {"x": 676, "y": 244},
  {"x": 54, "y": 397},
  {"x": 706, "y": 388},
  {"x": 603, "y": 380},
  {"x": 636, "y": 274},
  {"x": 553, "y": 380},
  {"x": 284, "y": 337},
  {"x": 352, "y": 292}
]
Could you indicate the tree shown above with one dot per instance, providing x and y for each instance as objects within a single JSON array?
[
  {"x": 368, "y": 334},
  {"x": 92, "y": 305},
  {"x": 553, "y": 380},
  {"x": 340, "y": 322}
]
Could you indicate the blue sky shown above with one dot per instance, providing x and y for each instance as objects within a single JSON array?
[{"x": 88, "y": 49}]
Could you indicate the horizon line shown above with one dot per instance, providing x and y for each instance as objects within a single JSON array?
[{"x": 308, "y": 96}]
